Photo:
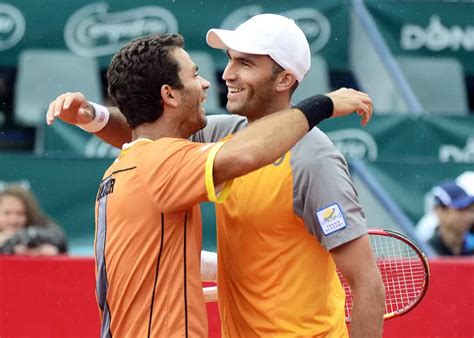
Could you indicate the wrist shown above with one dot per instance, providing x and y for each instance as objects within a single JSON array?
[
  {"x": 316, "y": 108},
  {"x": 101, "y": 117}
]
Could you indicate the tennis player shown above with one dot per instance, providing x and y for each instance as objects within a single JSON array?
[
  {"x": 148, "y": 230},
  {"x": 286, "y": 226}
]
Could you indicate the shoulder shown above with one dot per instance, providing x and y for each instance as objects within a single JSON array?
[
  {"x": 316, "y": 142},
  {"x": 166, "y": 149},
  {"x": 219, "y": 118},
  {"x": 167, "y": 144},
  {"x": 315, "y": 150},
  {"x": 234, "y": 122}
]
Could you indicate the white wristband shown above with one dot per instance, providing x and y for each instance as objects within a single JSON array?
[{"x": 100, "y": 120}]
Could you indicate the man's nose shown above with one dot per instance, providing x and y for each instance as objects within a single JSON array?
[
  {"x": 205, "y": 84},
  {"x": 229, "y": 73}
]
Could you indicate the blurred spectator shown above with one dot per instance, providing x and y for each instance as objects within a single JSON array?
[
  {"x": 449, "y": 228},
  {"x": 24, "y": 228},
  {"x": 427, "y": 224}
]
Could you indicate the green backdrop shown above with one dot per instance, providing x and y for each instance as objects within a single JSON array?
[
  {"x": 100, "y": 28},
  {"x": 429, "y": 28}
]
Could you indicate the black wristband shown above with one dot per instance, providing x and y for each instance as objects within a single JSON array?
[{"x": 316, "y": 108}]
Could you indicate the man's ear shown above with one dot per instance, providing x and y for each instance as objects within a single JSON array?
[
  {"x": 285, "y": 81},
  {"x": 169, "y": 95}
]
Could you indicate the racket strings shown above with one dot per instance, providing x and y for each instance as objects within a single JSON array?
[{"x": 403, "y": 273}]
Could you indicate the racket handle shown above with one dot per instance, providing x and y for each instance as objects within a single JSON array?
[{"x": 210, "y": 293}]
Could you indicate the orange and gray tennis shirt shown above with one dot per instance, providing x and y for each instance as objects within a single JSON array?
[
  {"x": 148, "y": 239},
  {"x": 276, "y": 276}
]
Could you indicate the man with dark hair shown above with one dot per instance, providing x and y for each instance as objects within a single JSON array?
[
  {"x": 134, "y": 94},
  {"x": 148, "y": 224}
]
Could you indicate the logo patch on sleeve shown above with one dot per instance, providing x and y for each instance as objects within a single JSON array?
[{"x": 331, "y": 219}]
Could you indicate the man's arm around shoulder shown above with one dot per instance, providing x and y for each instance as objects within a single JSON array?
[{"x": 267, "y": 139}]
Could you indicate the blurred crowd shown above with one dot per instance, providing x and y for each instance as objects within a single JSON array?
[
  {"x": 24, "y": 228},
  {"x": 449, "y": 225}
]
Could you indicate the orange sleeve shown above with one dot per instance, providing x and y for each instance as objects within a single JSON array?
[{"x": 178, "y": 173}]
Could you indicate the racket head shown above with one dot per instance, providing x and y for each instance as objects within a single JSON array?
[{"x": 404, "y": 269}]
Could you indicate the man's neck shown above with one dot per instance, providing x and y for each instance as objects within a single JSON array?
[
  {"x": 268, "y": 110},
  {"x": 158, "y": 129}
]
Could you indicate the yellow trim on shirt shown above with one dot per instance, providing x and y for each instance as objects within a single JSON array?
[{"x": 209, "y": 179}]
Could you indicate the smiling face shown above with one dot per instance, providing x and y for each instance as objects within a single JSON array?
[
  {"x": 193, "y": 94},
  {"x": 251, "y": 84},
  {"x": 457, "y": 220}
]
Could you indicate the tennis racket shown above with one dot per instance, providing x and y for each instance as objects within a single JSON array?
[{"x": 404, "y": 269}]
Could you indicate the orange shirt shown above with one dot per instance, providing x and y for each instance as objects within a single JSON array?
[
  {"x": 275, "y": 279},
  {"x": 148, "y": 239}
]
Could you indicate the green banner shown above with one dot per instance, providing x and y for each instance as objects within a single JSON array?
[
  {"x": 408, "y": 182},
  {"x": 405, "y": 139},
  {"x": 65, "y": 188},
  {"x": 99, "y": 28},
  {"x": 429, "y": 28}
]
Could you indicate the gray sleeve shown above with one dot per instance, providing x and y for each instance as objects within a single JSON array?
[
  {"x": 324, "y": 195},
  {"x": 219, "y": 126}
]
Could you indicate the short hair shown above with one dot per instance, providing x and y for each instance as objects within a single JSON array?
[
  {"x": 138, "y": 71},
  {"x": 277, "y": 69}
]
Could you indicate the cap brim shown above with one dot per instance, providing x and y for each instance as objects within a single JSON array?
[
  {"x": 462, "y": 203},
  {"x": 227, "y": 39}
]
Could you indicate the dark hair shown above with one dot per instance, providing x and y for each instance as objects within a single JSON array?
[
  {"x": 277, "y": 69},
  {"x": 137, "y": 73}
]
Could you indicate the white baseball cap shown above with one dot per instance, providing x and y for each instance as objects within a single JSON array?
[{"x": 267, "y": 34}]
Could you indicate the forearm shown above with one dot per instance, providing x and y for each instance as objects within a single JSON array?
[
  {"x": 356, "y": 261},
  {"x": 261, "y": 143},
  {"x": 367, "y": 311},
  {"x": 116, "y": 132}
]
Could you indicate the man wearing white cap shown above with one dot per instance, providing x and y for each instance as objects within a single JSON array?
[{"x": 286, "y": 226}]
